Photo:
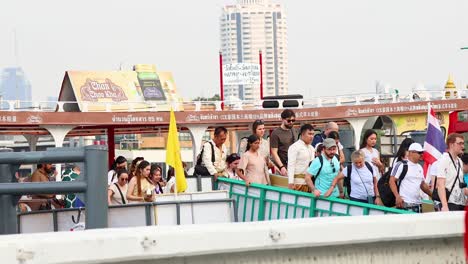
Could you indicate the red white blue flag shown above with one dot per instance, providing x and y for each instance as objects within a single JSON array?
[{"x": 434, "y": 145}]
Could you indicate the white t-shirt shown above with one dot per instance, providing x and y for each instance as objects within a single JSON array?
[
  {"x": 432, "y": 172},
  {"x": 358, "y": 189},
  {"x": 447, "y": 170},
  {"x": 395, "y": 166},
  {"x": 117, "y": 199},
  {"x": 433, "y": 169},
  {"x": 300, "y": 155},
  {"x": 169, "y": 185},
  {"x": 233, "y": 175},
  {"x": 368, "y": 156},
  {"x": 109, "y": 177},
  {"x": 411, "y": 184}
]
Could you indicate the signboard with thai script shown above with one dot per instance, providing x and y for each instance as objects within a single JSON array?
[
  {"x": 412, "y": 122},
  {"x": 407, "y": 116},
  {"x": 241, "y": 73},
  {"x": 118, "y": 91}
]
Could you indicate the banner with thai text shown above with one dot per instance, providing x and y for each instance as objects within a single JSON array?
[{"x": 241, "y": 73}]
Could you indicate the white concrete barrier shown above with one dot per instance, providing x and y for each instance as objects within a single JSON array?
[
  {"x": 418, "y": 238},
  {"x": 187, "y": 208}
]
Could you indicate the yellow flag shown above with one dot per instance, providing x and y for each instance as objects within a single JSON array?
[{"x": 173, "y": 157}]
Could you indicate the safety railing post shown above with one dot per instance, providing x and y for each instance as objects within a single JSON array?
[
  {"x": 261, "y": 205},
  {"x": 96, "y": 193},
  {"x": 8, "y": 219}
]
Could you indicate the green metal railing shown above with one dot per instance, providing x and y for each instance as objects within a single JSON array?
[{"x": 262, "y": 202}]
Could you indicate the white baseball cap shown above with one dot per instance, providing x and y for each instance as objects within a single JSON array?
[{"x": 416, "y": 147}]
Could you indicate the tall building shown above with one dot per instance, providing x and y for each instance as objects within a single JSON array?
[
  {"x": 14, "y": 85},
  {"x": 251, "y": 26}
]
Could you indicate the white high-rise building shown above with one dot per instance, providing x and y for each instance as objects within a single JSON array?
[{"x": 251, "y": 26}]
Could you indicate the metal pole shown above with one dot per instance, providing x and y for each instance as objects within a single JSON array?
[
  {"x": 96, "y": 193},
  {"x": 261, "y": 74},
  {"x": 148, "y": 208},
  {"x": 178, "y": 212},
  {"x": 111, "y": 144},
  {"x": 221, "y": 92},
  {"x": 8, "y": 218},
  {"x": 199, "y": 183},
  {"x": 42, "y": 187},
  {"x": 58, "y": 155}
]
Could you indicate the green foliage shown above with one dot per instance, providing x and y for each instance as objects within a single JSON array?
[{"x": 215, "y": 97}]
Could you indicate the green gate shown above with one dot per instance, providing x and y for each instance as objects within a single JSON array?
[{"x": 262, "y": 202}]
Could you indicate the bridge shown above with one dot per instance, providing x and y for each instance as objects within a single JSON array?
[{"x": 198, "y": 117}]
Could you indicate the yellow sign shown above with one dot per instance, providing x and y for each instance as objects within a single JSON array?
[
  {"x": 412, "y": 122},
  {"x": 119, "y": 91}
]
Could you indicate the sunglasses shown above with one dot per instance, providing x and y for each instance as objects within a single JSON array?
[
  {"x": 290, "y": 120},
  {"x": 419, "y": 152},
  {"x": 333, "y": 166}
]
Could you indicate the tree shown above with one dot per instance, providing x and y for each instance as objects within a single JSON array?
[{"x": 215, "y": 97}]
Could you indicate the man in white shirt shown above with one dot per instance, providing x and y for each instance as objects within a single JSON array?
[
  {"x": 217, "y": 166},
  {"x": 450, "y": 175},
  {"x": 300, "y": 154},
  {"x": 407, "y": 194}
]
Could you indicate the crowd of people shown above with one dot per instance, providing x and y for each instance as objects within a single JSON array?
[
  {"x": 140, "y": 183},
  {"x": 316, "y": 164},
  {"x": 313, "y": 163}
]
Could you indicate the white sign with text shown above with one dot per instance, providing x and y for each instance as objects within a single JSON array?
[{"x": 241, "y": 73}]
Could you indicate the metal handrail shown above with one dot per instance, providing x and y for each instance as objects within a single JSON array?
[
  {"x": 152, "y": 106},
  {"x": 263, "y": 200},
  {"x": 93, "y": 157}
]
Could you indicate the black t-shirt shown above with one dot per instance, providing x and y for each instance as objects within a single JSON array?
[{"x": 282, "y": 138}]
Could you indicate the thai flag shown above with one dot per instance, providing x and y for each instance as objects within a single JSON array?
[{"x": 434, "y": 145}]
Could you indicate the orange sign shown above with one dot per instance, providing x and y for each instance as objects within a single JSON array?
[{"x": 117, "y": 91}]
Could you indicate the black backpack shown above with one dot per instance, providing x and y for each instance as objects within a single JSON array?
[
  {"x": 347, "y": 180},
  {"x": 386, "y": 194},
  {"x": 199, "y": 168}
]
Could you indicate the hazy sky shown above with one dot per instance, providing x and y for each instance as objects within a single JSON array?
[{"x": 335, "y": 47}]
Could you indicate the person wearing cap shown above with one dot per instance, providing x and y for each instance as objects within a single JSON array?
[
  {"x": 324, "y": 170},
  {"x": 407, "y": 196}
]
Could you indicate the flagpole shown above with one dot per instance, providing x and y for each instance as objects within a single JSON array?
[
  {"x": 176, "y": 197},
  {"x": 221, "y": 82},
  {"x": 261, "y": 73}
]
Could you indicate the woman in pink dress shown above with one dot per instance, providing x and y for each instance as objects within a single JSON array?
[{"x": 252, "y": 167}]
